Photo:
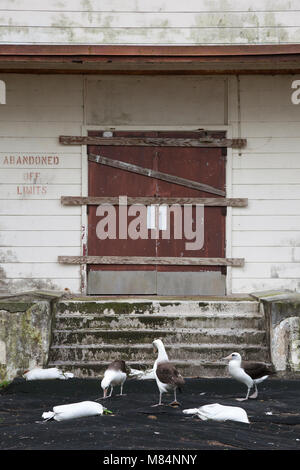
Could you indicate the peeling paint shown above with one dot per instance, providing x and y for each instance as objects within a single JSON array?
[
  {"x": 8, "y": 256},
  {"x": 274, "y": 273},
  {"x": 3, "y": 285},
  {"x": 21, "y": 285}
]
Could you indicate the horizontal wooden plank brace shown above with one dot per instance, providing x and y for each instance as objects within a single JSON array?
[
  {"x": 155, "y": 174},
  {"x": 172, "y": 261},
  {"x": 153, "y": 141},
  {"x": 215, "y": 202}
]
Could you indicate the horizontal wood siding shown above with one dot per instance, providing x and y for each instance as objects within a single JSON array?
[
  {"x": 40, "y": 238},
  {"x": 267, "y": 172},
  {"x": 151, "y": 6},
  {"x": 35, "y": 171},
  {"x": 149, "y": 22}
]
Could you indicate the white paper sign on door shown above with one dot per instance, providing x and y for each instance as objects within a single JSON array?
[{"x": 157, "y": 214}]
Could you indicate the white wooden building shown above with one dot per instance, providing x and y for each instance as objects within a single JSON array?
[{"x": 70, "y": 67}]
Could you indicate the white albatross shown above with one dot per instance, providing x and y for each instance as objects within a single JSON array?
[
  {"x": 114, "y": 375},
  {"x": 74, "y": 410},
  {"x": 249, "y": 373},
  {"x": 217, "y": 412},
  {"x": 166, "y": 375}
]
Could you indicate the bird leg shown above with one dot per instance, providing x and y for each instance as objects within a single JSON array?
[
  {"x": 246, "y": 398},
  {"x": 121, "y": 392},
  {"x": 104, "y": 395},
  {"x": 255, "y": 394},
  {"x": 175, "y": 402},
  {"x": 160, "y": 403},
  {"x": 111, "y": 390}
]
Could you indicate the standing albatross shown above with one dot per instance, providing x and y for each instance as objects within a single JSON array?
[
  {"x": 167, "y": 376},
  {"x": 249, "y": 373},
  {"x": 115, "y": 374}
]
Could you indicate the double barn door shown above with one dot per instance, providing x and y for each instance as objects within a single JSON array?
[{"x": 205, "y": 165}]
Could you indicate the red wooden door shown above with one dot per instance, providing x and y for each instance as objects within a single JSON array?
[{"x": 205, "y": 165}]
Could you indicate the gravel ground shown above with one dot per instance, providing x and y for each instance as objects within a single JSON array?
[{"x": 274, "y": 417}]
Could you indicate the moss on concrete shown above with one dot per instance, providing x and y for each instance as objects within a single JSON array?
[
  {"x": 25, "y": 334},
  {"x": 14, "y": 307},
  {"x": 4, "y": 384},
  {"x": 3, "y": 372},
  {"x": 167, "y": 298},
  {"x": 118, "y": 308},
  {"x": 170, "y": 304}
]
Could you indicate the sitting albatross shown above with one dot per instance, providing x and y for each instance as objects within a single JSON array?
[
  {"x": 249, "y": 373},
  {"x": 167, "y": 376},
  {"x": 115, "y": 374}
]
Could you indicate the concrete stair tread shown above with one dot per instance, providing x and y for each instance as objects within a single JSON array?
[
  {"x": 169, "y": 336},
  {"x": 99, "y": 336},
  {"x": 149, "y": 346},
  {"x": 164, "y": 299},
  {"x": 148, "y": 330},
  {"x": 162, "y": 315},
  {"x": 138, "y": 306}
]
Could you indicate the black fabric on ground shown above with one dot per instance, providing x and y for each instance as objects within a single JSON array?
[{"x": 136, "y": 425}]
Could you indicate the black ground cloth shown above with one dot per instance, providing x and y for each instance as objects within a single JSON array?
[{"x": 136, "y": 425}]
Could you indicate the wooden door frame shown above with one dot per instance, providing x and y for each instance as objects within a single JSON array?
[{"x": 84, "y": 187}]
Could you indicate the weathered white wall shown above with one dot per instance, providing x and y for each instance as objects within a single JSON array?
[
  {"x": 35, "y": 229},
  {"x": 267, "y": 233},
  {"x": 149, "y": 21}
]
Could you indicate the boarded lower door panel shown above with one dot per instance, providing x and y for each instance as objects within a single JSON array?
[
  {"x": 191, "y": 283},
  {"x": 122, "y": 282}
]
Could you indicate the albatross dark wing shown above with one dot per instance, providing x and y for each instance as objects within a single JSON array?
[
  {"x": 168, "y": 374},
  {"x": 256, "y": 370},
  {"x": 118, "y": 365}
]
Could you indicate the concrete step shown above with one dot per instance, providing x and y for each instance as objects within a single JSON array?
[
  {"x": 140, "y": 353},
  {"x": 180, "y": 335},
  {"x": 144, "y": 306},
  {"x": 90, "y": 333},
  {"x": 160, "y": 321}
]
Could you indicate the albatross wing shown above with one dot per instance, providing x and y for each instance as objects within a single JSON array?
[
  {"x": 256, "y": 370},
  {"x": 168, "y": 374},
  {"x": 118, "y": 365}
]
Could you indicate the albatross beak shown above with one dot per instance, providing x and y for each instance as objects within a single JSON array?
[
  {"x": 227, "y": 357},
  {"x": 105, "y": 393}
]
